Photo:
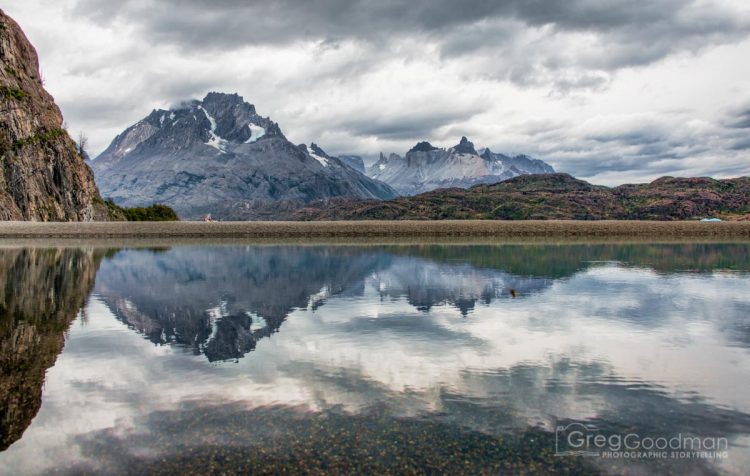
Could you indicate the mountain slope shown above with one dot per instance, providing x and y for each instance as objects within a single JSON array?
[
  {"x": 425, "y": 168},
  {"x": 42, "y": 175},
  {"x": 354, "y": 161},
  {"x": 219, "y": 156},
  {"x": 556, "y": 196}
]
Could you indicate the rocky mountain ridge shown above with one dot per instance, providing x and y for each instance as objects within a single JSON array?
[
  {"x": 219, "y": 156},
  {"x": 426, "y": 167}
]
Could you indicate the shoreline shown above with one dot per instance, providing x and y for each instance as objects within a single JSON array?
[{"x": 374, "y": 229}]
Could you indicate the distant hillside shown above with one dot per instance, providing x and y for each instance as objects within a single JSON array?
[{"x": 555, "y": 197}]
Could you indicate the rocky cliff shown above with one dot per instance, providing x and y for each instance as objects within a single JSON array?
[
  {"x": 42, "y": 175},
  {"x": 426, "y": 167},
  {"x": 220, "y": 156}
]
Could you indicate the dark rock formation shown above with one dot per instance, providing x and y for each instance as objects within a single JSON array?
[
  {"x": 354, "y": 161},
  {"x": 42, "y": 175}
]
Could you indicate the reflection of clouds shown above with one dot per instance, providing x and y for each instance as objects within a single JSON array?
[{"x": 611, "y": 344}]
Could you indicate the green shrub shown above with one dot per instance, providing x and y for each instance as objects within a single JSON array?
[
  {"x": 15, "y": 93},
  {"x": 42, "y": 138},
  {"x": 156, "y": 212}
]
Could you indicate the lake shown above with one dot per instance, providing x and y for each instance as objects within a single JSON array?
[{"x": 376, "y": 358}]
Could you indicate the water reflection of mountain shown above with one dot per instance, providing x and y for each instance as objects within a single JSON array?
[
  {"x": 41, "y": 292},
  {"x": 220, "y": 301},
  {"x": 565, "y": 260},
  {"x": 427, "y": 283}
]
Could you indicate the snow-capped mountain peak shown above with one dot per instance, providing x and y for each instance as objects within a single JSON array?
[
  {"x": 426, "y": 167},
  {"x": 219, "y": 156}
]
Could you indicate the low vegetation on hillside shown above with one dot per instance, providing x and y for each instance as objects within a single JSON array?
[
  {"x": 153, "y": 213},
  {"x": 554, "y": 197}
]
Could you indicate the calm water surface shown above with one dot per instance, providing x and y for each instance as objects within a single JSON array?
[{"x": 374, "y": 359}]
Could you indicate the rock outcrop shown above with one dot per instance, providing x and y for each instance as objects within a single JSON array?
[
  {"x": 426, "y": 167},
  {"x": 43, "y": 177},
  {"x": 354, "y": 161},
  {"x": 220, "y": 156}
]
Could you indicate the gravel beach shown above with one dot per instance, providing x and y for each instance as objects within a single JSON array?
[{"x": 344, "y": 229}]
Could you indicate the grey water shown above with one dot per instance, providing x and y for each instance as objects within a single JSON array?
[{"x": 433, "y": 358}]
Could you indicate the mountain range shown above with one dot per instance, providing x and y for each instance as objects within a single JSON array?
[
  {"x": 426, "y": 167},
  {"x": 220, "y": 156}
]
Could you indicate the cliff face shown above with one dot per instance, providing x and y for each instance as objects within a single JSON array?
[{"x": 42, "y": 175}]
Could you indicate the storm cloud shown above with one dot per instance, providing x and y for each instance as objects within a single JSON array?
[{"x": 610, "y": 90}]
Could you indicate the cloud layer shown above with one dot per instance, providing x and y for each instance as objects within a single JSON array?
[{"x": 609, "y": 90}]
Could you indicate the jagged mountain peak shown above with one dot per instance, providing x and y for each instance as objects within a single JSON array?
[
  {"x": 219, "y": 156},
  {"x": 219, "y": 124},
  {"x": 423, "y": 146},
  {"x": 426, "y": 167},
  {"x": 315, "y": 149},
  {"x": 465, "y": 146},
  {"x": 225, "y": 98}
]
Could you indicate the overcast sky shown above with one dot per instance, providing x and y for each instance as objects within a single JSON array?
[{"x": 612, "y": 91}]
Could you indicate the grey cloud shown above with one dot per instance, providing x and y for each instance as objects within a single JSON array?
[
  {"x": 643, "y": 31},
  {"x": 742, "y": 144},
  {"x": 421, "y": 123},
  {"x": 490, "y": 35},
  {"x": 645, "y": 148},
  {"x": 741, "y": 121},
  {"x": 204, "y": 23}
]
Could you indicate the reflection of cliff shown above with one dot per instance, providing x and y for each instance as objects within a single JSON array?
[
  {"x": 41, "y": 292},
  {"x": 221, "y": 301}
]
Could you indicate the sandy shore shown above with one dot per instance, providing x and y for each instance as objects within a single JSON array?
[{"x": 370, "y": 229}]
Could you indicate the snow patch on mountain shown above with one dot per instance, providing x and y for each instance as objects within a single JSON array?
[
  {"x": 256, "y": 132},
  {"x": 323, "y": 161},
  {"x": 214, "y": 141}
]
